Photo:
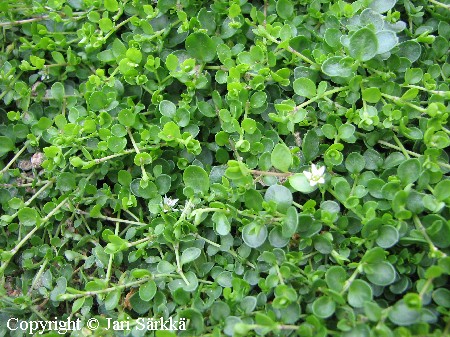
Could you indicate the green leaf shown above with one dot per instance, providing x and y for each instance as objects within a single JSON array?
[
  {"x": 190, "y": 254},
  {"x": 323, "y": 245},
  {"x": 401, "y": 315},
  {"x": 374, "y": 255},
  {"x": 305, "y": 87},
  {"x": 147, "y": 291},
  {"x": 382, "y": 6},
  {"x": 388, "y": 236},
  {"x": 111, "y": 5},
  {"x": 28, "y": 216},
  {"x": 105, "y": 24},
  {"x": 258, "y": 99},
  {"x": 442, "y": 190},
  {"x": 410, "y": 49},
  {"x": 381, "y": 273},
  {"x": 290, "y": 222},
  {"x": 285, "y": 8},
  {"x": 66, "y": 182},
  {"x": 171, "y": 131},
  {"x": 442, "y": 297},
  {"x": 221, "y": 224},
  {"x": 310, "y": 145},
  {"x": 58, "y": 91},
  {"x": 196, "y": 178},
  {"x": 97, "y": 101},
  {"x": 117, "y": 144},
  {"x": 358, "y": 293},
  {"x": 201, "y": 46},
  {"x": 323, "y": 307},
  {"x": 78, "y": 304},
  {"x": 249, "y": 125},
  {"x": 300, "y": 183},
  {"x": 371, "y": 95},
  {"x": 281, "y": 157},
  {"x": 409, "y": 171},
  {"x": 338, "y": 66},
  {"x": 335, "y": 277},
  {"x": 355, "y": 162},
  {"x": 280, "y": 195},
  {"x": 253, "y": 200},
  {"x": 6, "y": 145},
  {"x": 167, "y": 108},
  {"x": 387, "y": 40},
  {"x": 138, "y": 273},
  {"x": 139, "y": 305},
  {"x": 118, "y": 49},
  {"x": 413, "y": 75},
  {"x": 363, "y": 45},
  {"x": 59, "y": 289},
  {"x": 112, "y": 300},
  {"x": 116, "y": 244},
  {"x": 126, "y": 117},
  {"x": 206, "y": 109},
  {"x": 372, "y": 311},
  {"x": 172, "y": 62},
  {"x": 106, "y": 56},
  {"x": 346, "y": 132},
  {"x": 254, "y": 235}
]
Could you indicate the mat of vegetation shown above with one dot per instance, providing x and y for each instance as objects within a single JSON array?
[{"x": 259, "y": 168}]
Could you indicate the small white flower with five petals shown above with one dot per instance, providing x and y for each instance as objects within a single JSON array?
[
  {"x": 316, "y": 175},
  {"x": 169, "y": 204}
]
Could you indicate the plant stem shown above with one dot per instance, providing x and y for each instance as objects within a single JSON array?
[
  {"x": 76, "y": 16},
  {"x": 288, "y": 327},
  {"x": 132, "y": 215},
  {"x": 39, "y": 183},
  {"x": 268, "y": 173},
  {"x": 400, "y": 102},
  {"x": 434, "y": 250},
  {"x": 440, "y": 4},
  {"x": 351, "y": 209},
  {"x": 80, "y": 293},
  {"x": 326, "y": 93},
  {"x": 447, "y": 329},
  {"x": 198, "y": 236},
  {"x": 37, "y": 277},
  {"x": 28, "y": 236},
  {"x": 112, "y": 31},
  {"x": 436, "y": 92},
  {"x": 237, "y": 257},
  {"x": 415, "y": 154},
  {"x": 29, "y": 201},
  {"x": 179, "y": 269},
  {"x": 24, "y": 147},
  {"x": 349, "y": 282},
  {"x": 101, "y": 160},
  {"x": 425, "y": 287},
  {"x": 289, "y": 49},
  {"x": 125, "y": 152},
  {"x": 280, "y": 277},
  {"x": 111, "y": 258},
  {"x": 113, "y": 219},
  {"x": 135, "y": 243},
  {"x": 144, "y": 173},
  {"x": 400, "y": 145}
]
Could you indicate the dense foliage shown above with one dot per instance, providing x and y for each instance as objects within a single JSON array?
[{"x": 273, "y": 167}]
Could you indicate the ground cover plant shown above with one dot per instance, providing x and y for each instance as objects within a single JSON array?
[{"x": 272, "y": 168}]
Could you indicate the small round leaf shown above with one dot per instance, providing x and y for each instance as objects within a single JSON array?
[{"x": 201, "y": 46}]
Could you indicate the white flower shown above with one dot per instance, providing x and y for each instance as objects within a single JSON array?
[
  {"x": 168, "y": 204},
  {"x": 316, "y": 176}
]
